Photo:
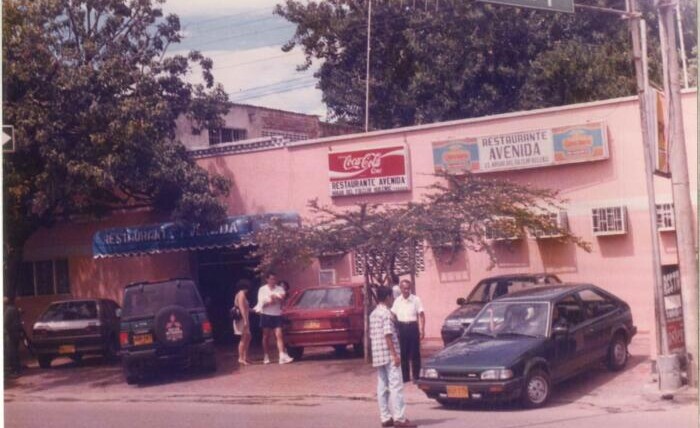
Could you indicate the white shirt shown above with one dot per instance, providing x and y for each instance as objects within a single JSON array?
[
  {"x": 265, "y": 294},
  {"x": 407, "y": 310}
]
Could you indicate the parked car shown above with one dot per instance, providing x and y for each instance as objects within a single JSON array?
[
  {"x": 74, "y": 328},
  {"x": 164, "y": 322},
  {"x": 486, "y": 290},
  {"x": 324, "y": 316},
  {"x": 520, "y": 345}
]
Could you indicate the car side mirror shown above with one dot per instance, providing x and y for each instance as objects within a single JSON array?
[
  {"x": 118, "y": 312},
  {"x": 461, "y": 301},
  {"x": 560, "y": 330}
]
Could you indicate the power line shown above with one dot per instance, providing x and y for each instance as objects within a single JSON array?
[
  {"x": 240, "y": 64},
  {"x": 272, "y": 85},
  {"x": 288, "y": 89}
]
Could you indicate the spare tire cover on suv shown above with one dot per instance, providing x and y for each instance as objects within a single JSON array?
[{"x": 173, "y": 326}]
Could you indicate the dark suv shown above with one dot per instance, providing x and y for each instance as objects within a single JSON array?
[
  {"x": 164, "y": 322},
  {"x": 486, "y": 290}
]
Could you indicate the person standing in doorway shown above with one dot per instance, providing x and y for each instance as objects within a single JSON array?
[
  {"x": 386, "y": 359},
  {"x": 411, "y": 320},
  {"x": 241, "y": 327},
  {"x": 270, "y": 297}
]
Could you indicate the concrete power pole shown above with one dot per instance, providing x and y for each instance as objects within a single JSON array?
[{"x": 682, "y": 205}]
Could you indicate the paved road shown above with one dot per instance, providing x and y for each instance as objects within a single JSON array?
[{"x": 316, "y": 391}]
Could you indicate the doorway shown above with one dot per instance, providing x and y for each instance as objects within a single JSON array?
[{"x": 219, "y": 271}]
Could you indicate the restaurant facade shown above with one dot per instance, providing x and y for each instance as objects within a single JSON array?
[{"x": 591, "y": 153}]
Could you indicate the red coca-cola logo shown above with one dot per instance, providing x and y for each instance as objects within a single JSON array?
[{"x": 371, "y": 161}]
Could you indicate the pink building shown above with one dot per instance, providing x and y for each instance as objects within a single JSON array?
[{"x": 592, "y": 153}]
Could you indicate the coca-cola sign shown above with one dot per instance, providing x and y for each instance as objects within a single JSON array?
[{"x": 375, "y": 170}]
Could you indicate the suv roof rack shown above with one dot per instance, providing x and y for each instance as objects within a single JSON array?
[{"x": 155, "y": 281}]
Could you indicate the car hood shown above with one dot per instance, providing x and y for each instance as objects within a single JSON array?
[
  {"x": 481, "y": 352},
  {"x": 466, "y": 311}
]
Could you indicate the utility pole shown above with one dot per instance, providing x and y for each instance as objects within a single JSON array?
[
  {"x": 369, "y": 48},
  {"x": 639, "y": 53},
  {"x": 682, "y": 205}
]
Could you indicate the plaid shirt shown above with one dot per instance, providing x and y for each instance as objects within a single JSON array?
[{"x": 381, "y": 324}]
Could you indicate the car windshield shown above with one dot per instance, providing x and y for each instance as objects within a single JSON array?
[
  {"x": 512, "y": 318},
  {"x": 70, "y": 311},
  {"x": 489, "y": 289},
  {"x": 325, "y": 298},
  {"x": 147, "y": 299}
]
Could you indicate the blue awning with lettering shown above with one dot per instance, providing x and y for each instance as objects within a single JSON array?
[{"x": 237, "y": 231}]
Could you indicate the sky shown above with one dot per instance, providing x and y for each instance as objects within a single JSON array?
[{"x": 244, "y": 40}]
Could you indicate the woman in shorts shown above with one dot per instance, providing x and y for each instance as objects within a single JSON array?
[{"x": 241, "y": 327}]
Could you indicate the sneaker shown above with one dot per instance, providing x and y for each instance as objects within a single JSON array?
[
  {"x": 266, "y": 360},
  {"x": 389, "y": 423},
  {"x": 284, "y": 359}
]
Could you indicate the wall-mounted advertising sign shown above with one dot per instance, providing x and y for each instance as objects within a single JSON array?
[
  {"x": 369, "y": 170},
  {"x": 520, "y": 150}
]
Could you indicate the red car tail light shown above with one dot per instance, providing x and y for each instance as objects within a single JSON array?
[
  {"x": 206, "y": 328},
  {"x": 124, "y": 338}
]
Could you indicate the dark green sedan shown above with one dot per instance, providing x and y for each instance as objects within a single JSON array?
[{"x": 520, "y": 345}]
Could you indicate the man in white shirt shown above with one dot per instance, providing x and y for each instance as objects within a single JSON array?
[
  {"x": 411, "y": 322},
  {"x": 270, "y": 297}
]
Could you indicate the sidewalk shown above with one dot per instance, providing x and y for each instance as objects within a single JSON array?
[{"x": 321, "y": 373}]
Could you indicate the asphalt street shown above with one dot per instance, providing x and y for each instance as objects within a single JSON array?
[{"x": 321, "y": 390}]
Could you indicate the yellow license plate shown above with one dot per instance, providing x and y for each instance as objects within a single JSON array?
[
  {"x": 143, "y": 339},
  {"x": 66, "y": 349},
  {"x": 312, "y": 325},
  {"x": 457, "y": 391}
]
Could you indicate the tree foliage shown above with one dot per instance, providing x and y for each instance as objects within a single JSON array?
[
  {"x": 93, "y": 99},
  {"x": 442, "y": 60},
  {"x": 457, "y": 213}
]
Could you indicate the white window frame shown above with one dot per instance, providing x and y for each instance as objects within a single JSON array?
[
  {"x": 561, "y": 218},
  {"x": 322, "y": 272},
  {"x": 665, "y": 219},
  {"x": 490, "y": 235},
  {"x": 607, "y": 219}
]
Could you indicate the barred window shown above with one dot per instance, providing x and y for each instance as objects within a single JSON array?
[
  {"x": 226, "y": 135},
  {"x": 403, "y": 262},
  {"x": 44, "y": 277},
  {"x": 609, "y": 221},
  {"x": 665, "y": 219}
]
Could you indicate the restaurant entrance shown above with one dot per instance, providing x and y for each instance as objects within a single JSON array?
[{"x": 219, "y": 271}]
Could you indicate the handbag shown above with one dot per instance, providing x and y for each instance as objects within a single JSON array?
[{"x": 235, "y": 313}]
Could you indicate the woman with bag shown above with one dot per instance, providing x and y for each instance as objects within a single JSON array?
[{"x": 241, "y": 319}]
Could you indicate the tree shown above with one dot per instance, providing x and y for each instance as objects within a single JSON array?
[
  {"x": 94, "y": 99},
  {"x": 444, "y": 60},
  {"x": 457, "y": 213}
]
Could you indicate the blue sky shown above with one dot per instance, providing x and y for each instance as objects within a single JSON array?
[{"x": 244, "y": 40}]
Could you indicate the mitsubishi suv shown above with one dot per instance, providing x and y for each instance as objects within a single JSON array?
[{"x": 164, "y": 323}]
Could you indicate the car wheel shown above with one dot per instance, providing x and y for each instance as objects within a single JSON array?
[
  {"x": 44, "y": 361},
  {"x": 295, "y": 352},
  {"x": 358, "y": 349},
  {"x": 537, "y": 389},
  {"x": 131, "y": 375},
  {"x": 617, "y": 353},
  {"x": 339, "y": 349}
]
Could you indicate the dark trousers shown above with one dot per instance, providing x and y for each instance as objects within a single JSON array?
[{"x": 409, "y": 342}]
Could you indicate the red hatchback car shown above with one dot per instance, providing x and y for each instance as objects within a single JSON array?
[{"x": 324, "y": 316}]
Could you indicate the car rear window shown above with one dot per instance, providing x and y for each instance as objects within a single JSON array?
[
  {"x": 490, "y": 289},
  {"x": 147, "y": 299},
  {"x": 325, "y": 298},
  {"x": 70, "y": 311}
]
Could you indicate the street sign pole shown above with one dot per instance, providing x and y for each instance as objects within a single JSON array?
[{"x": 680, "y": 184}]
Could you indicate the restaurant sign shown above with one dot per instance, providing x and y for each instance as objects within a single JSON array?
[
  {"x": 370, "y": 170},
  {"x": 521, "y": 150}
]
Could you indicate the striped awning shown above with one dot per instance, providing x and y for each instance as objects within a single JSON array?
[{"x": 237, "y": 231}]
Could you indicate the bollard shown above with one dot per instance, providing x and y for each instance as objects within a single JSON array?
[{"x": 669, "y": 367}]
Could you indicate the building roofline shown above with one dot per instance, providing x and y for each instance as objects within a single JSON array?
[{"x": 468, "y": 121}]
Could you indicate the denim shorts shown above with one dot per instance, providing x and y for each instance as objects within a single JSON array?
[{"x": 270, "y": 321}]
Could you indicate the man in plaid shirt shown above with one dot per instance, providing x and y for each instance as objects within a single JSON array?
[{"x": 385, "y": 358}]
